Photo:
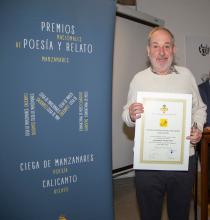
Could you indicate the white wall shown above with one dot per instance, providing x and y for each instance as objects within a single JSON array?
[{"x": 182, "y": 17}]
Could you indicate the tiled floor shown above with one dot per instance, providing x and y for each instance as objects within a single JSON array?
[{"x": 125, "y": 201}]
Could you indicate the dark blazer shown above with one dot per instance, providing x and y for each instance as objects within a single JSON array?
[{"x": 204, "y": 89}]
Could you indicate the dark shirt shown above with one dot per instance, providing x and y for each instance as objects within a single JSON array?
[{"x": 204, "y": 89}]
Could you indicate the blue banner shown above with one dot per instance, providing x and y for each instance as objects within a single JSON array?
[{"x": 56, "y": 81}]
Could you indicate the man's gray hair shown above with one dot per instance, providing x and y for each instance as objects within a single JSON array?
[{"x": 160, "y": 28}]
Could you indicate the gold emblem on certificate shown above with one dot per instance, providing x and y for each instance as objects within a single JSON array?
[
  {"x": 160, "y": 134},
  {"x": 164, "y": 122}
]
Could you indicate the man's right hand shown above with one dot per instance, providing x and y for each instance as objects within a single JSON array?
[{"x": 135, "y": 111}]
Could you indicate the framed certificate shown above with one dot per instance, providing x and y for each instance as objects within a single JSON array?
[{"x": 160, "y": 134}]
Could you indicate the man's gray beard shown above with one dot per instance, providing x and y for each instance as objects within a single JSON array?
[{"x": 148, "y": 63}]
